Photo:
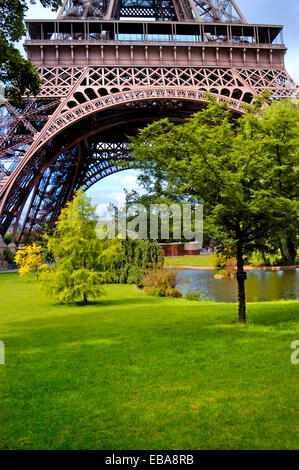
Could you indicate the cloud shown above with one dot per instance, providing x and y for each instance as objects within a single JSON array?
[{"x": 110, "y": 190}]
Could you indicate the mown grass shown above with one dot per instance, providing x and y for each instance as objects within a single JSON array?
[
  {"x": 136, "y": 372},
  {"x": 191, "y": 260}
]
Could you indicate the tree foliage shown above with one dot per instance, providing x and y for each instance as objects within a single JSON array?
[
  {"x": 18, "y": 75},
  {"x": 244, "y": 171},
  {"x": 126, "y": 261},
  {"x": 29, "y": 259},
  {"x": 75, "y": 275}
]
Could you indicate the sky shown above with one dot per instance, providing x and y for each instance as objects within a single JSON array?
[{"x": 279, "y": 12}]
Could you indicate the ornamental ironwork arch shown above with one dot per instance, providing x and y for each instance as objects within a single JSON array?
[
  {"x": 56, "y": 164},
  {"x": 110, "y": 66}
]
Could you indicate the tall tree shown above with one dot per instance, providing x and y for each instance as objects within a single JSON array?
[
  {"x": 226, "y": 164},
  {"x": 76, "y": 249},
  {"x": 280, "y": 144},
  {"x": 17, "y": 74}
]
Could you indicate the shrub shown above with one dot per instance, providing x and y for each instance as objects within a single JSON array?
[
  {"x": 155, "y": 291},
  {"x": 7, "y": 237},
  {"x": 259, "y": 258},
  {"x": 192, "y": 296},
  {"x": 161, "y": 280},
  {"x": 173, "y": 292},
  {"x": 29, "y": 259},
  {"x": 8, "y": 256},
  {"x": 197, "y": 296},
  {"x": 223, "y": 255},
  {"x": 231, "y": 266}
]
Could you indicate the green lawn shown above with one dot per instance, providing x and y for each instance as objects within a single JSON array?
[
  {"x": 192, "y": 260},
  {"x": 135, "y": 372}
]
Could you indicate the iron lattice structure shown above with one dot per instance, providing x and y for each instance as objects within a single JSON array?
[{"x": 111, "y": 66}]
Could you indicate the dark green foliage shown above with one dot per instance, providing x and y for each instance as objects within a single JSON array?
[
  {"x": 8, "y": 256},
  {"x": 156, "y": 194},
  {"x": 245, "y": 172},
  {"x": 138, "y": 257},
  {"x": 18, "y": 75},
  {"x": 7, "y": 238}
]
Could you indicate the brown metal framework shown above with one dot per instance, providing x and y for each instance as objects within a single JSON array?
[{"x": 105, "y": 74}]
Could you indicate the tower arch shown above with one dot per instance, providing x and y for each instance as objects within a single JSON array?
[{"x": 110, "y": 66}]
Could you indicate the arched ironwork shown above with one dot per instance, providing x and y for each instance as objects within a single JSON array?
[{"x": 107, "y": 70}]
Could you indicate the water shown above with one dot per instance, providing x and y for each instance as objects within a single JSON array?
[{"x": 260, "y": 285}]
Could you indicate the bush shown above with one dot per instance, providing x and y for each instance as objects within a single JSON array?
[
  {"x": 231, "y": 267},
  {"x": 155, "y": 291},
  {"x": 197, "y": 296},
  {"x": 7, "y": 237},
  {"x": 258, "y": 258},
  {"x": 192, "y": 296},
  {"x": 160, "y": 278},
  {"x": 161, "y": 282},
  {"x": 222, "y": 271},
  {"x": 8, "y": 256},
  {"x": 173, "y": 292},
  {"x": 223, "y": 255},
  {"x": 29, "y": 259}
]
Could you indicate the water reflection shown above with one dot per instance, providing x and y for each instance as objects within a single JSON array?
[{"x": 260, "y": 285}]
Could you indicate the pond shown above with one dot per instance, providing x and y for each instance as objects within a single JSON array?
[{"x": 260, "y": 285}]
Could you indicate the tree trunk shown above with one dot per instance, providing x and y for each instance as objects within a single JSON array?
[
  {"x": 292, "y": 252},
  {"x": 241, "y": 284},
  {"x": 284, "y": 257},
  {"x": 85, "y": 299},
  {"x": 289, "y": 252}
]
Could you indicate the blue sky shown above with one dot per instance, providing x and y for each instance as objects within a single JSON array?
[{"x": 281, "y": 12}]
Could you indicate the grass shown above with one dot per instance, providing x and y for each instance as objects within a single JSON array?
[
  {"x": 136, "y": 372},
  {"x": 192, "y": 260}
]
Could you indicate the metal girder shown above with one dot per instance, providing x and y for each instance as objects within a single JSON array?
[
  {"x": 219, "y": 11},
  {"x": 163, "y": 10},
  {"x": 96, "y": 91}
]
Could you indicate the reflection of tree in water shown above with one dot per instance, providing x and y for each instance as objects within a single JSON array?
[
  {"x": 253, "y": 287},
  {"x": 260, "y": 285}
]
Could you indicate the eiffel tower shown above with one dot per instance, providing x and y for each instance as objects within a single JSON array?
[{"x": 109, "y": 67}]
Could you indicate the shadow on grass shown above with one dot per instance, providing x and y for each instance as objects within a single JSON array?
[{"x": 109, "y": 302}]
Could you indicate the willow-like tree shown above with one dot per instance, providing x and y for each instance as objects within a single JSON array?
[
  {"x": 75, "y": 275},
  {"x": 233, "y": 167}
]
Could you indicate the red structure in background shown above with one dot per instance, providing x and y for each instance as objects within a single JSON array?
[{"x": 181, "y": 249}]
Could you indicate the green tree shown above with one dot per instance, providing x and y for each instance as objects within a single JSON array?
[
  {"x": 228, "y": 165},
  {"x": 75, "y": 276},
  {"x": 17, "y": 74},
  {"x": 280, "y": 144},
  {"x": 127, "y": 261}
]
